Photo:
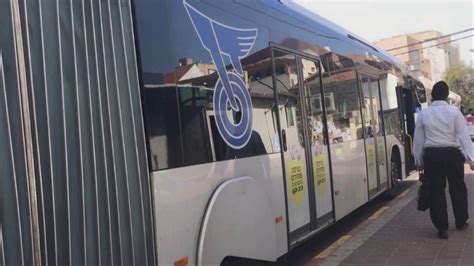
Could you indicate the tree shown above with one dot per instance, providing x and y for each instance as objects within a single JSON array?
[{"x": 460, "y": 79}]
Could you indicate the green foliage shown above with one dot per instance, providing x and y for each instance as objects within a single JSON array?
[{"x": 460, "y": 79}]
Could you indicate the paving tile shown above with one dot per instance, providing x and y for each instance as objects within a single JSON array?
[
  {"x": 409, "y": 238},
  {"x": 399, "y": 262},
  {"x": 422, "y": 263},
  {"x": 467, "y": 261},
  {"x": 426, "y": 257},
  {"x": 447, "y": 262},
  {"x": 349, "y": 264},
  {"x": 396, "y": 264}
]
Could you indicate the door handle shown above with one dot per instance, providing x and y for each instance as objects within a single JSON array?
[{"x": 283, "y": 139}]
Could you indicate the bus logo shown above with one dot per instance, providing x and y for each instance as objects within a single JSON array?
[{"x": 223, "y": 41}]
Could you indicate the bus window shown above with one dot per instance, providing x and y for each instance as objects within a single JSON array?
[
  {"x": 346, "y": 136},
  {"x": 342, "y": 107},
  {"x": 257, "y": 79},
  {"x": 180, "y": 78},
  {"x": 391, "y": 115}
]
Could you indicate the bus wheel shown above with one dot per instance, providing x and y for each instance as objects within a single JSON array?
[{"x": 395, "y": 175}]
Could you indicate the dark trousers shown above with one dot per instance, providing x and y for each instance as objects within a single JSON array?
[{"x": 439, "y": 164}]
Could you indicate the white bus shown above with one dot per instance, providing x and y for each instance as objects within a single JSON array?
[{"x": 189, "y": 132}]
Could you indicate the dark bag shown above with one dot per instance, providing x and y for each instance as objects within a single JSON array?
[{"x": 424, "y": 200}]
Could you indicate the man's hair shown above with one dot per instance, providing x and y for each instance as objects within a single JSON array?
[{"x": 440, "y": 91}]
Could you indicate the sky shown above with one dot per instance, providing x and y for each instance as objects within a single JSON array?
[{"x": 377, "y": 19}]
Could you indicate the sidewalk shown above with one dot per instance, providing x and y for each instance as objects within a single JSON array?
[{"x": 401, "y": 235}]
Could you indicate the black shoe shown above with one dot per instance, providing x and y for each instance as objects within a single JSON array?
[
  {"x": 443, "y": 234},
  {"x": 464, "y": 225}
]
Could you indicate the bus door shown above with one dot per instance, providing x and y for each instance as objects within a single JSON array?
[
  {"x": 382, "y": 157},
  {"x": 316, "y": 103},
  {"x": 303, "y": 143},
  {"x": 409, "y": 105},
  {"x": 375, "y": 150}
]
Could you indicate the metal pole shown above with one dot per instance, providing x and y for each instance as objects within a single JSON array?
[{"x": 27, "y": 132}]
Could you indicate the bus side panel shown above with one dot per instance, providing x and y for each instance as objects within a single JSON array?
[
  {"x": 178, "y": 222},
  {"x": 250, "y": 238},
  {"x": 350, "y": 176}
]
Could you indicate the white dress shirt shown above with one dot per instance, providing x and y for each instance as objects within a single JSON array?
[{"x": 441, "y": 125}]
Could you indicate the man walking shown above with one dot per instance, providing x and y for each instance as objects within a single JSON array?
[{"x": 441, "y": 146}]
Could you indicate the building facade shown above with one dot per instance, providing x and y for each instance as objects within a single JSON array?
[{"x": 429, "y": 59}]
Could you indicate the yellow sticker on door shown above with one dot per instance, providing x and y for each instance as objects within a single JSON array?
[
  {"x": 381, "y": 153},
  {"x": 296, "y": 184},
  {"x": 320, "y": 174},
  {"x": 371, "y": 157}
]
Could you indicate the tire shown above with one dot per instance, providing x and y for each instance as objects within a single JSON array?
[{"x": 395, "y": 175}]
